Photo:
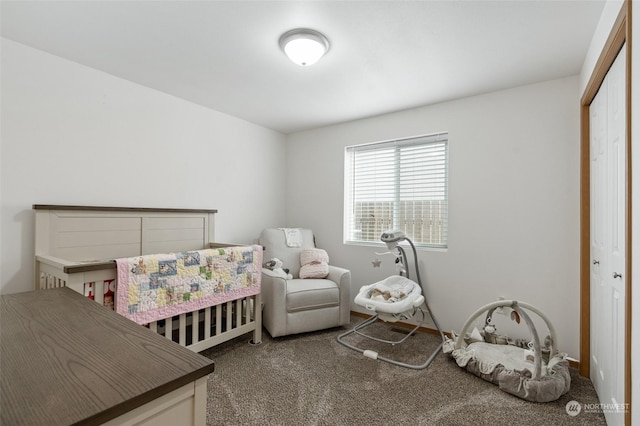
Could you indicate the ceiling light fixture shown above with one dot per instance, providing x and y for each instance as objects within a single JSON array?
[{"x": 304, "y": 46}]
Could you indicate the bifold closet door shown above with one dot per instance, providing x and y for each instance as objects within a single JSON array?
[{"x": 608, "y": 231}]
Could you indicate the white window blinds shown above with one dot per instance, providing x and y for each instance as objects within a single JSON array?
[{"x": 399, "y": 184}]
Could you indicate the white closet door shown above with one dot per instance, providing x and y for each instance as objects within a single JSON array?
[
  {"x": 608, "y": 245},
  {"x": 616, "y": 247},
  {"x": 598, "y": 151}
]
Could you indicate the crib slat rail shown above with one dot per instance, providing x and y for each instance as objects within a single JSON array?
[
  {"x": 198, "y": 330},
  {"x": 54, "y": 272}
]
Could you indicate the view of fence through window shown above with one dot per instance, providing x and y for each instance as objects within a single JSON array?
[
  {"x": 422, "y": 221},
  {"x": 397, "y": 185}
]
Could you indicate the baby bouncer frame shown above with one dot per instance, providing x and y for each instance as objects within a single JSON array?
[
  {"x": 414, "y": 302},
  {"x": 510, "y": 367}
]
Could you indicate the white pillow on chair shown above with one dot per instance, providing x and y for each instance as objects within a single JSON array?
[{"x": 314, "y": 263}]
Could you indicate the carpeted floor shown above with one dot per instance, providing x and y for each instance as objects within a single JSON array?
[{"x": 311, "y": 379}]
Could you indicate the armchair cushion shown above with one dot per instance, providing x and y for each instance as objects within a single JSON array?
[
  {"x": 303, "y": 295},
  {"x": 275, "y": 245}
]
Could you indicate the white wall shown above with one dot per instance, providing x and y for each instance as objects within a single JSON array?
[
  {"x": 610, "y": 12},
  {"x": 514, "y": 201},
  {"x": 74, "y": 135}
]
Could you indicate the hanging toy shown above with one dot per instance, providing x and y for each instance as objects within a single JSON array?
[{"x": 489, "y": 331}]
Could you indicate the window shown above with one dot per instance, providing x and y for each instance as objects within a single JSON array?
[{"x": 400, "y": 184}]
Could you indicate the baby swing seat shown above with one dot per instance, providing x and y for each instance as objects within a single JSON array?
[{"x": 396, "y": 298}]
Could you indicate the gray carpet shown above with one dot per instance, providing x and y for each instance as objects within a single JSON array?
[{"x": 310, "y": 379}]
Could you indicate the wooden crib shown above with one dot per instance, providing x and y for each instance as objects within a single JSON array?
[{"x": 75, "y": 247}]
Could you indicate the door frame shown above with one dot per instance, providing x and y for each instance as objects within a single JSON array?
[{"x": 619, "y": 35}]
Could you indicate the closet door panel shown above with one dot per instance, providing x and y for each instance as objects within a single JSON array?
[
  {"x": 598, "y": 151},
  {"x": 608, "y": 238},
  {"x": 616, "y": 233}
]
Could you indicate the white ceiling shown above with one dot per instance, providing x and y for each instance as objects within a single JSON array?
[{"x": 385, "y": 55}]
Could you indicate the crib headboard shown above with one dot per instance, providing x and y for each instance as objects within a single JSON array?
[{"x": 89, "y": 234}]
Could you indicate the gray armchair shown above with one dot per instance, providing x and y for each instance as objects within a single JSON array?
[{"x": 301, "y": 305}]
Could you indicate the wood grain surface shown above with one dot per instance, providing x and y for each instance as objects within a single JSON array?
[
  {"x": 120, "y": 209},
  {"x": 65, "y": 360}
]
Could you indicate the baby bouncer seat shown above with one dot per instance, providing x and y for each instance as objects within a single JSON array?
[
  {"x": 523, "y": 371},
  {"x": 396, "y": 298}
]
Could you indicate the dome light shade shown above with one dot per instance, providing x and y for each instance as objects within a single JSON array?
[{"x": 304, "y": 46}]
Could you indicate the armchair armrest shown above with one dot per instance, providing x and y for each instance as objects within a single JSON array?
[
  {"x": 338, "y": 275},
  {"x": 269, "y": 278},
  {"x": 276, "y": 287},
  {"x": 342, "y": 277},
  {"x": 274, "y": 298},
  {"x": 269, "y": 273}
]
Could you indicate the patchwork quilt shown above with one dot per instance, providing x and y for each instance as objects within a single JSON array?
[{"x": 158, "y": 286}]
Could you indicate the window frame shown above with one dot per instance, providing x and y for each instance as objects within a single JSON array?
[{"x": 349, "y": 215}]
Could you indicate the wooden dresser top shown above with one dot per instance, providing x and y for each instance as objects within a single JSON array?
[{"x": 65, "y": 360}]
